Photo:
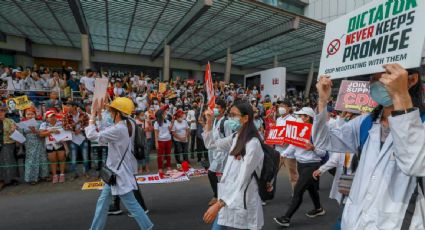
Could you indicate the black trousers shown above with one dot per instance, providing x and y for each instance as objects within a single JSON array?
[
  {"x": 137, "y": 195},
  {"x": 305, "y": 182},
  {"x": 200, "y": 148},
  {"x": 180, "y": 148},
  {"x": 212, "y": 177}
]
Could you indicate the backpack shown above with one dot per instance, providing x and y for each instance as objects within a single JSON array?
[
  {"x": 269, "y": 172},
  {"x": 139, "y": 141}
]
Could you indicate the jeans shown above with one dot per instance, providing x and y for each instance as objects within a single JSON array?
[
  {"x": 84, "y": 147},
  {"x": 99, "y": 155},
  {"x": 148, "y": 149},
  {"x": 180, "y": 148},
  {"x": 130, "y": 203}
]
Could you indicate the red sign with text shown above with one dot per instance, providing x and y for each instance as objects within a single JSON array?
[
  {"x": 298, "y": 134},
  {"x": 276, "y": 135}
]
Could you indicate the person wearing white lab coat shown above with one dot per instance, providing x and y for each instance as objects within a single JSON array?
[
  {"x": 118, "y": 139},
  {"x": 217, "y": 158},
  {"x": 392, "y": 157},
  {"x": 245, "y": 157}
]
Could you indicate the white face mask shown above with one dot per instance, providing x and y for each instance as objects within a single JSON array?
[{"x": 282, "y": 110}]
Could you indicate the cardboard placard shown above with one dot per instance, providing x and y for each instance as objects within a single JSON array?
[
  {"x": 100, "y": 87},
  {"x": 276, "y": 135},
  {"x": 354, "y": 97},
  {"x": 381, "y": 32},
  {"x": 298, "y": 134},
  {"x": 19, "y": 103}
]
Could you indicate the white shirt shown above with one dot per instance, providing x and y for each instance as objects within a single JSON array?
[
  {"x": 88, "y": 83},
  {"x": 180, "y": 130},
  {"x": 237, "y": 176},
  {"x": 48, "y": 126},
  {"x": 281, "y": 121},
  {"x": 217, "y": 158},
  {"x": 191, "y": 119},
  {"x": 118, "y": 141},
  {"x": 163, "y": 131}
]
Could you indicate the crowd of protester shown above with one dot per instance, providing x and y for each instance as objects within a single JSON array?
[{"x": 176, "y": 123}]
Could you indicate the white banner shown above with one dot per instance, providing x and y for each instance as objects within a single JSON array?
[{"x": 382, "y": 32}]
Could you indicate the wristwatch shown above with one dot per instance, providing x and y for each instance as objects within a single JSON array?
[{"x": 401, "y": 112}]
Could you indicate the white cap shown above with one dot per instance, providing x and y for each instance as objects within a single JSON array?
[
  {"x": 306, "y": 111},
  {"x": 73, "y": 73}
]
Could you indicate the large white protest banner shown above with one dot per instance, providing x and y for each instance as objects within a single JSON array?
[{"x": 382, "y": 32}]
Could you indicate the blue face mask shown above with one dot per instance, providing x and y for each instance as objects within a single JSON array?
[
  {"x": 234, "y": 123},
  {"x": 379, "y": 93},
  {"x": 107, "y": 117},
  {"x": 216, "y": 112}
]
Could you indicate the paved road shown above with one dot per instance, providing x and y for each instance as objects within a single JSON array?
[{"x": 173, "y": 206}]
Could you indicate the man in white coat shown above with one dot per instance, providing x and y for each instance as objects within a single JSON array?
[
  {"x": 218, "y": 158},
  {"x": 392, "y": 157}
]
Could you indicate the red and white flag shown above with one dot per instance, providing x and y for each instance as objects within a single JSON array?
[{"x": 209, "y": 87}]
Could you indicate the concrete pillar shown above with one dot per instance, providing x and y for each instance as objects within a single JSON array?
[
  {"x": 85, "y": 52},
  {"x": 309, "y": 81},
  {"x": 275, "y": 62},
  {"x": 228, "y": 66},
  {"x": 166, "y": 67}
]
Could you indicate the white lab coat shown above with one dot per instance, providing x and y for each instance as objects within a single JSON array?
[
  {"x": 237, "y": 176},
  {"x": 218, "y": 158},
  {"x": 336, "y": 160},
  {"x": 386, "y": 177},
  {"x": 118, "y": 141}
]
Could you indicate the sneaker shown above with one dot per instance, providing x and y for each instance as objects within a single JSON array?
[
  {"x": 212, "y": 201},
  {"x": 61, "y": 178},
  {"x": 263, "y": 203},
  {"x": 282, "y": 221},
  {"x": 147, "y": 211},
  {"x": 315, "y": 213},
  {"x": 55, "y": 179},
  {"x": 114, "y": 210}
]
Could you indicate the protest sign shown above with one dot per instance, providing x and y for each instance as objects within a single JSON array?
[
  {"x": 276, "y": 135},
  {"x": 97, "y": 185},
  {"x": 162, "y": 87},
  {"x": 381, "y": 32},
  {"x": 25, "y": 125},
  {"x": 19, "y": 103},
  {"x": 101, "y": 84},
  {"x": 157, "y": 179},
  {"x": 354, "y": 97},
  {"x": 17, "y": 136},
  {"x": 298, "y": 134}
]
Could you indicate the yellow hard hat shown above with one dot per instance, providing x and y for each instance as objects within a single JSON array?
[{"x": 123, "y": 104}]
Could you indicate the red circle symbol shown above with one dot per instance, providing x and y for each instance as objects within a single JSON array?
[{"x": 334, "y": 46}]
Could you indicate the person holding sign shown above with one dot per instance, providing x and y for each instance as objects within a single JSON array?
[
  {"x": 391, "y": 145},
  {"x": 308, "y": 160},
  {"x": 120, "y": 162},
  {"x": 284, "y": 111},
  {"x": 55, "y": 150}
]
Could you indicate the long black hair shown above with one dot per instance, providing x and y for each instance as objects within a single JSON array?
[
  {"x": 160, "y": 117},
  {"x": 415, "y": 93},
  {"x": 124, "y": 118},
  {"x": 247, "y": 131}
]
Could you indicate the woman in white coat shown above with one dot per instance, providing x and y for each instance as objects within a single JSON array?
[
  {"x": 235, "y": 208},
  {"x": 392, "y": 157},
  {"x": 120, "y": 160}
]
